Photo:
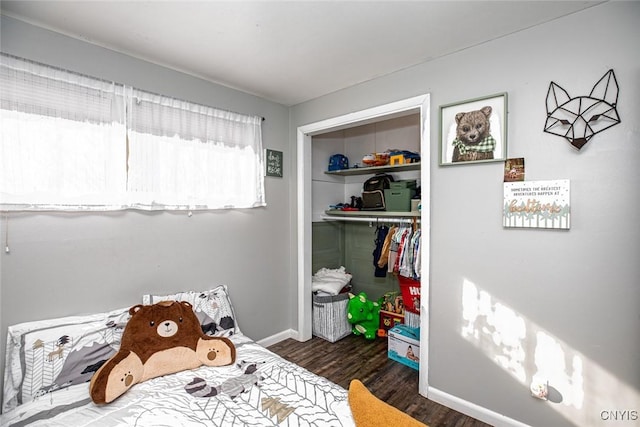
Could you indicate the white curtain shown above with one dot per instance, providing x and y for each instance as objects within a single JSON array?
[
  {"x": 189, "y": 156},
  {"x": 73, "y": 142},
  {"x": 61, "y": 139}
]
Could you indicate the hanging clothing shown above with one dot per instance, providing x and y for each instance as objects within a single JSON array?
[
  {"x": 386, "y": 246},
  {"x": 407, "y": 264},
  {"x": 393, "y": 249},
  {"x": 402, "y": 250},
  {"x": 381, "y": 235},
  {"x": 417, "y": 263}
]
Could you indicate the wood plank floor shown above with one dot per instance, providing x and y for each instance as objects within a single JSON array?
[{"x": 354, "y": 357}]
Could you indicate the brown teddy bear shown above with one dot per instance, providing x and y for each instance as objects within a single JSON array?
[
  {"x": 473, "y": 136},
  {"x": 159, "y": 339}
]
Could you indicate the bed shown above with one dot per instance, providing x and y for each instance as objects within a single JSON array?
[{"x": 49, "y": 363}]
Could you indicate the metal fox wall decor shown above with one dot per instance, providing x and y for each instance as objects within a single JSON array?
[{"x": 579, "y": 119}]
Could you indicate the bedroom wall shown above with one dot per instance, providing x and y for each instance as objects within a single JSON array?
[
  {"x": 74, "y": 263},
  {"x": 564, "y": 301},
  {"x": 577, "y": 287}
]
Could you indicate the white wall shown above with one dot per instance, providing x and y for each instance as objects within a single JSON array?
[
  {"x": 566, "y": 298},
  {"x": 73, "y": 263}
]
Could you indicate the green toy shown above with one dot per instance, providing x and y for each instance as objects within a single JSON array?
[{"x": 364, "y": 315}]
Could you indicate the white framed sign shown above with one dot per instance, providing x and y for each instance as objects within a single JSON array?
[{"x": 537, "y": 204}]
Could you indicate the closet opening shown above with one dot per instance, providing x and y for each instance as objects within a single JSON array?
[{"x": 398, "y": 125}]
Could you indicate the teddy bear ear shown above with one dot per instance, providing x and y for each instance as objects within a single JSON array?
[
  {"x": 459, "y": 117},
  {"x": 486, "y": 110},
  {"x": 135, "y": 309},
  {"x": 186, "y": 304}
]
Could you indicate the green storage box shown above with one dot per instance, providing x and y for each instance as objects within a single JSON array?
[
  {"x": 398, "y": 200},
  {"x": 406, "y": 183}
]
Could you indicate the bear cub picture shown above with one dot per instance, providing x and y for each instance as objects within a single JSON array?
[{"x": 473, "y": 136}]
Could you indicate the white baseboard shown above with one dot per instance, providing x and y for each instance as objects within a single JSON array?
[
  {"x": 280, "y": 336},
  {"x": 472, "y": 410}
]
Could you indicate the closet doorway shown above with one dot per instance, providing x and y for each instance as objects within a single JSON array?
[{"x": 416, "y": 105}]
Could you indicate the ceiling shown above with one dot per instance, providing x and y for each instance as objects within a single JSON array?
[{"x": 288, "y": 52}]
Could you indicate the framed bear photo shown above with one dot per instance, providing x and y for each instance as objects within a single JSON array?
[{"x": 474, "y": 131}]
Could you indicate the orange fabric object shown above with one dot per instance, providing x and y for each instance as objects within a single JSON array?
[{"x": 369, "y": 411}]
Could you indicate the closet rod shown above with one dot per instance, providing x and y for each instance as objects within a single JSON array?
[{"x": 372, "y": 219}]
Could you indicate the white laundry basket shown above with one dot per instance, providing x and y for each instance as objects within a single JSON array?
[{"x": 330, "y": 316}]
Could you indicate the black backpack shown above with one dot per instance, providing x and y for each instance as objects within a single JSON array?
[{"x": 373, "y": 192}]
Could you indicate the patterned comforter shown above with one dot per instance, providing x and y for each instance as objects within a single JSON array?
[{"x": 261, "y": 389}]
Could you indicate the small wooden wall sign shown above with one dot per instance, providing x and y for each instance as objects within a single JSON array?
[{"x": 273, "y": 161}]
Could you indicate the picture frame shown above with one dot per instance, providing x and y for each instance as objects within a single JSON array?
[{"x": 463, "y": 147}]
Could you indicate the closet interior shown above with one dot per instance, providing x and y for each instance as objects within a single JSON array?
[
  {"x": 329, "y": 238},
  {"x": 348, "y": 238}
]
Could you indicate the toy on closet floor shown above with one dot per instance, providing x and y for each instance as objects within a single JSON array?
[
  {"x": 391, "y": 312},
  {"x": 364, "y": 315},
  {"x": 392, "y": 302}
]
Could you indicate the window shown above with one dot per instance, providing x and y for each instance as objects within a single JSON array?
[{"x": 73, "y": 142}]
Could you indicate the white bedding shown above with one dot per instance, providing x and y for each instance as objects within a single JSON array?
[{"x": 286, "y": 395}]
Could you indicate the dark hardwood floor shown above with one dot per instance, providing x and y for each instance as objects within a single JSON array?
[{"x": 354, "y": 357}]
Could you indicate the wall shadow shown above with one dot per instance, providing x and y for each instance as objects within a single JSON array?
[{"x": 579, "y": 389}]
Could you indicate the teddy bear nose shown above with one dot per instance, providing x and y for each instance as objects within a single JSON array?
[{"x": 167, "y": 328}]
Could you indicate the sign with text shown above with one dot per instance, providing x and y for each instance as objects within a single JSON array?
[
  {"x": 537, "y": 204},
  {"x": 273, "y": 163}
]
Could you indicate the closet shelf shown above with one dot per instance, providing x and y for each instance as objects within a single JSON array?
[
  {"x": 369, "y": 215},
  {"x": 375, "y": 169}
]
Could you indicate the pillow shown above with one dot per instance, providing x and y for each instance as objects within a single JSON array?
[
  {"x": 369, "y": 411},
  {"x": 213, "y": 309},
  {"x": 159, "y": 339},
  {"x": 49, "y": 355}
]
